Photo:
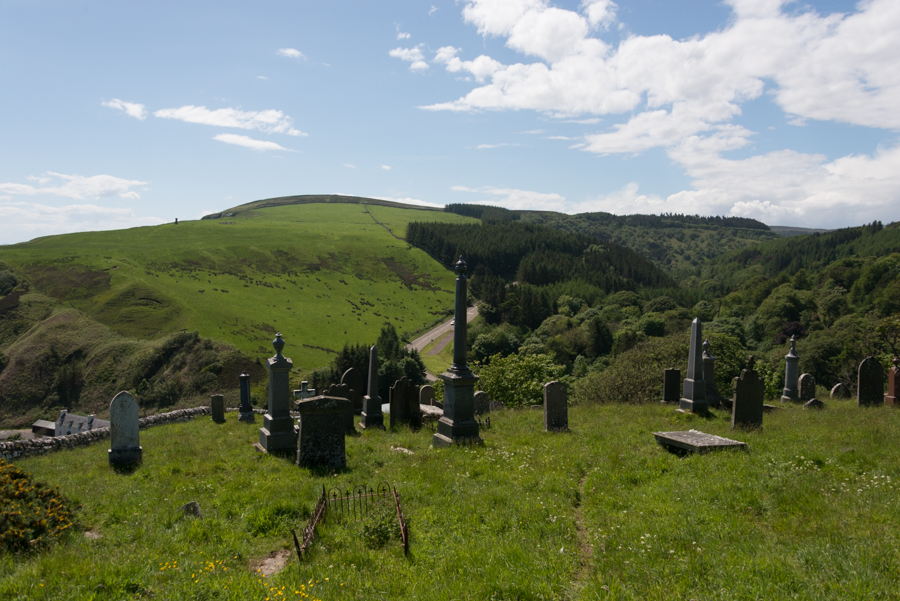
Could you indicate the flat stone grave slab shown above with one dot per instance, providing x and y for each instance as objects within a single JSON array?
[
  {"x": 431, "y": 412},
  {"x": 694, "y": 441}
]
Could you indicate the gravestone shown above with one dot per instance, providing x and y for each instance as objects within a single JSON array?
[
  {"x": 426, "y": 395},
  {"x": 694, "y": 441},
  {"x": 870, "y": 383},
  {"x": 694, "y": 398},
  {"x": 839, "y": 391},
  {"x": 404, "y": 400},
  {"x": 709, "y": 376},
  {"x": 371, "y": 412},
  {"x": 791, "y": 374},
  {"x": 217, "y": 408},
  {"x": 320, "y": 431},
  {"x": 277, "y": 433},
  {"x": 747, "y": 403},
  {"x": 807, "y": 386},
  {"x": 556, "y": 407},
  {"x": 458, "y": 424},
  {"x": 356, "y": 382},
  {"x": 814, "y": 404},
  {"x": 497, "y": 406},
  {"x": 482, "y": 402},
  {"x": 304, "y": 392},
  {"x": 890, "y": 399},
  {"x": 124, "y": 431},
  {"x": 342, "y": 391},
  {"x": 671, "y": 385},
  {"x": 245, "y": 411}
]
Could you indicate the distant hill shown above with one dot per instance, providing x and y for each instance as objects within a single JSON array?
[{"x": 787, "y": 231}]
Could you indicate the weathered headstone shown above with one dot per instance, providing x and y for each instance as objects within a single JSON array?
[
  {"x": 890, "y": 399},
  {"x": 217, "y": 408},
  {"x": 791, "y": 374},
  {"x": 813, "y": 404},
  {"x": 458, "y": 424},
  {"x": 747, "y": 403},
  {"x": 245, "y": 411},
  {"x": 497, "y": 406},
  {"x": 870, "y": 383},
  {"x": 482, "y": 402},
  {"x": 342, "y": 391},
  {"x": 277, "y": 433},
  {"x": 839, "y": 391},
  {"x": 356, "y": 382},
  {"x": 404, "y": 400},
  {"x": 807, "y": 386},
  {"x": 372, "y": 417},
  {"x": 556, "y": 407},
  {"x": 304, "y": 392},
  {"x": 694, "y": 398},
  {"x": 671, "y": 385},
  {"x": 709, "y": 376},
  {"x": 320, "y": 432},
  {"x": 124, "y": 431},
  {"x": 426, "y": 395}
]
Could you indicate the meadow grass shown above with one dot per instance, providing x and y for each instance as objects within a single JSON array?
[
  {"x": 325, "y": 275},
  {"x": 810, "y": 511},
  {"x": 437, "y": 364}
]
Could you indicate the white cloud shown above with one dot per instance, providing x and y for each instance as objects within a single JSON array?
[
  {"x": 262, "y": 77},
  {"x": 290, "y": 53},
  {"x": 481, "y": 67},
  {"x": 386, "y": 167},
  {"x": 77, "y": 186},
  {"x": 432, "y": 10},
  {"x": 132, "y": 109},
  {"x": 599, "y": 13},
  {"x": 24, "y": 220},
  {"x": 407, "y": 200},
  {"x": 249, "y": 142},
  {"x": 411, "y": 55},
  {"x": 485, "y": 146},
  {"x": 403, "y": 36},
  {"x": 511, "y": 198},
  {"x": 349, "y": 166},
  {"x": 270, "y": 121}
]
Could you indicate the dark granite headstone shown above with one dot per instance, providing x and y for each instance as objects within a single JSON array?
[
  {"x": 426, "y": 395},
  {"x": 482, "y": 402},
  {"x": 217, "y": 408},
  {"x": 277, "y": 433},
  {"x": 890, "y": 399},
  {"x": 807, "y": 385},
  {"x": 320, "y": 432},
  {"x": 671, "y": 385},
  {"x": 814, "y": 404},
  {"x": 709, "y": 376},
  {"x": 354, "y": 380},
  {"x": 404, "y": 400},
  {"x": 747, "y": 403},
  {"x": 556, "y": 407},
  {"x": 342, "y": 391},
  {"x": 839, "y": 391},
  {"x": 870, "y": 383},
  {"x": 245, "y": 411}
]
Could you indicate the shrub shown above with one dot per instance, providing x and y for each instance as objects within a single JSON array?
[
  {"x": 33, "y": 514},
  {"x": 518, "y": 380}
]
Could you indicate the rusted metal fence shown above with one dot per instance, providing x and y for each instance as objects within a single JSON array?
[{"x": 356, "y": 504}]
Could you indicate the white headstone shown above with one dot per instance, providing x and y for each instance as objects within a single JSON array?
[{"x": 124, "y": 431}]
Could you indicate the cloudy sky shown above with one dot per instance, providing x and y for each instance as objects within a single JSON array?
[{"x": 117, "y": 114}]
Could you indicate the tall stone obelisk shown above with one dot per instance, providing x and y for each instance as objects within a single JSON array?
[
  {"x": 372, "y": 417},
  {"x": 791, "y": 390},
  {"x": 277, "y": 433},
  {"x": 694, "y": 397},
  {"x": 458, "y": 424}
]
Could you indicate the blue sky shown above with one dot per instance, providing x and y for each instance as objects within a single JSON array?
[{"x": 118, "y": 114}]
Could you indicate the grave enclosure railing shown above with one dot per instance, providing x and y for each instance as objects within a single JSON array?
[{"x": 355, "y": 504}]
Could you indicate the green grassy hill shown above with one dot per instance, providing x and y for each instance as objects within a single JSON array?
[{"x": 811, "y": 511}]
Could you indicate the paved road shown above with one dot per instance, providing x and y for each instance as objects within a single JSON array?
[{"x": 424, "y": 340}]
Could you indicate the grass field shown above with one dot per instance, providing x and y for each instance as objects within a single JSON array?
[
  {"x": 811, "y": 511},
  {"x": 322, "y": 274}
]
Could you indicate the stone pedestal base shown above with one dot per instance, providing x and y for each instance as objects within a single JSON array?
[
  {"x": 371, "y": 415},
  {"x": 128, "y": 456},
  {"x": 693, "y": 406},
  {"x": 250, "y": 417},
  {"x": 786, "y": 398},
  {"x": 458, "y": 425},
  {"x": 277, "y": 434}
]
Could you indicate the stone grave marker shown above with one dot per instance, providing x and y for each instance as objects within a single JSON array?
[
  {"x": 124, "y": 431},
  {"x": 556, "y": 407},
  {"x": 320, "y": 431},
  {"x": 694, "y": 398},
  {"x": 217, "y": 408},
  {"x": 747, "y": 403},
  {"x": 807, "y": 387},
  {"x": 791, "y": 374},
  {"x": 245, "y": 411},
  {"x": 372, "y": 417},
  {"x": 277, "y": 433},
  {"x": 342, "y": 391},
  {"x": 890, "y": 399},
  {"x": 870, "y": 383},
  {"x": 709, "y": 376},
  {"x": 839, "y": 391},
  {"x": 482, "y": 402},
  {"x": 694, "y": 441},
  {"x": 355, "y": 381},
  {"x": 304, "y": 392},
  {"x": 426, "y": 395},
  {"x": 404, "y": 399},
  {"x": 671, "y": 385}
]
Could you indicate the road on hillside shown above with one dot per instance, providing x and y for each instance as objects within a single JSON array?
[{"x": 428, "y": 337}]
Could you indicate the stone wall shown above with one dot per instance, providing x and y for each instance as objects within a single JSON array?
[{"x": 39, "y": 446}]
